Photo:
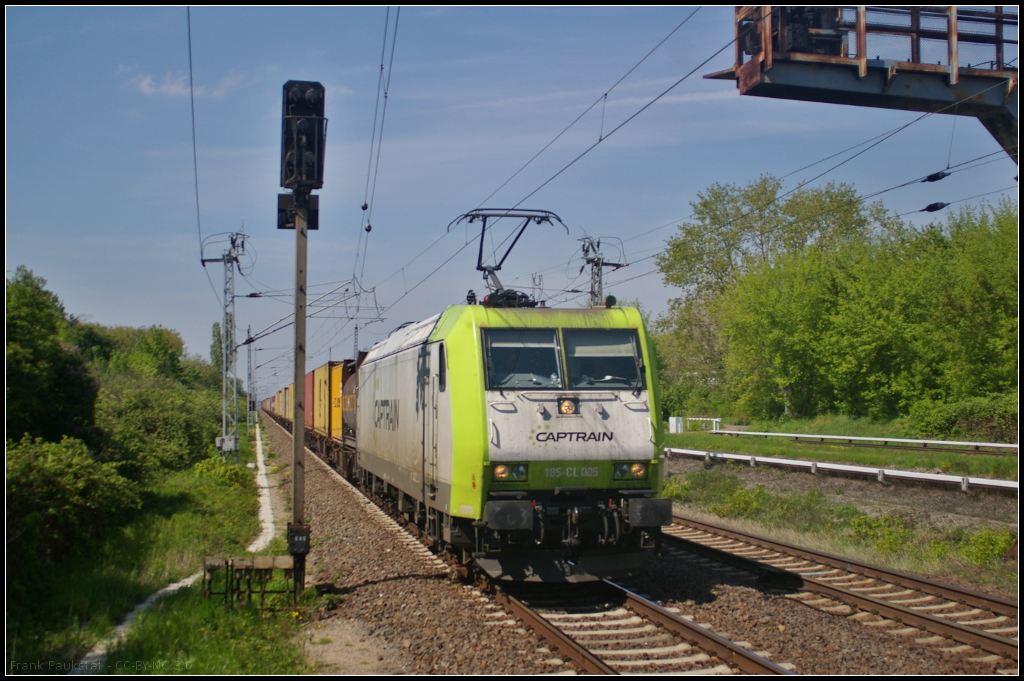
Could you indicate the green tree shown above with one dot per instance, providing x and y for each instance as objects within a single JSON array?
[
  {"x": 217, "y": 347},
  {"x": 49, "y": 392},
  {"x": 735, "y": 228},
  {"x": 928, "y": 315},
  {"x": 736, "y": 232},
  {"x": 773, "y": 319}
]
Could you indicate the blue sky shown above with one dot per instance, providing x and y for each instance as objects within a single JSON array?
[{"x": 101, "y": 195}]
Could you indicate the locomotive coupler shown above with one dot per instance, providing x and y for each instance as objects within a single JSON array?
[
  {"x": 571, "y": 529},
  {"x": 539, "y": 530}
]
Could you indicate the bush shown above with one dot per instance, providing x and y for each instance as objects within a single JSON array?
[
  {"x": 978, "y": 419},
  {"x": 226, "y": 474},
  {"x": 58, "y": 495},
  {"x": 890, "y": 535},
  {"x": 158, "y": 428},
  {"x": 987, "y": 546}
]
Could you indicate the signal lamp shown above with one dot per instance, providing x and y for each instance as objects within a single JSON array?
[
  {"x": 303, "y": 135},
  {"x": 501, "y": 472}
]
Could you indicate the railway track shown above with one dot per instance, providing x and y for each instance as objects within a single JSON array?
[
  {"x": 931, "y": 613},
  {"x": 605, "y": 628},
  {"x": 608, "y": 629},
  {"x": 621, "y": 632}
]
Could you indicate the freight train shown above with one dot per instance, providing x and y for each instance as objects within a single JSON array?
[{"x": 523, "y": 439}]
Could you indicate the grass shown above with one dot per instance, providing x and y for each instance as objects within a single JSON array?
[
  {"x": 980, "y": 465},
  {"x": 809, "y": 519},
  {"x": 189, "y": 634},
  {"x": 58, "y": 610},
  {"x": 832, "y": 424}
]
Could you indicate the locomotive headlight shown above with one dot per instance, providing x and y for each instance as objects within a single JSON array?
[
  {"x": 630, "y": 470},
  {"x": 511, "y": 472},
  {"x": 567, "y": 407}
]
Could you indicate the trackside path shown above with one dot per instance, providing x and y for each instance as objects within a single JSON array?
[{"x": 95, "y": 660}]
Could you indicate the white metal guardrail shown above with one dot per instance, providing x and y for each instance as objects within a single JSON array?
[
  {"x": 880, "y": 474},
  {"x": 884, "y": 440}
]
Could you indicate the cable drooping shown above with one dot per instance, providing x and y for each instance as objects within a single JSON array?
[
  {"x": 195, "y": 156},
  {"x": 602, "y": 98},
  {"x": 373, "y": 163}
]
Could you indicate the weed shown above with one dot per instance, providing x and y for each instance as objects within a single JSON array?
[
  {"x": 889, "y": 534},
  {"x": 987, "y": 546},
  {"x": 890, "y": 540}
]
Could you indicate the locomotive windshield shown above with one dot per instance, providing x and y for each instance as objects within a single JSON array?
[
  {"x": 595, "y": 359},
  {"x": 603, "y": 358},
  {"x": 522, "y": 358}
]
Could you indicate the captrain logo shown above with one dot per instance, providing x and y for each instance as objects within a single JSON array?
[
  {"x": 386, "y": 414},
  {"x": 540, "y": 436}
]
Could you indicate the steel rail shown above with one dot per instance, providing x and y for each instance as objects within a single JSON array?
[
  {"x": 570, "y": 648},
  {"x": 725, "y": 649},
  {"x": 962, "y": 633},
  {"x": 998, "y": 605},
  {"x": 992, "y": 643}
]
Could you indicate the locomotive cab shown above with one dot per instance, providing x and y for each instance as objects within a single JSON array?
[
  {"x": 525, "y": 438},
  {"x": 572, "y": 451}
]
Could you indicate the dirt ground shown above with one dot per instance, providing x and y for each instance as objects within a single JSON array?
[{"x": 335, "y": 645}]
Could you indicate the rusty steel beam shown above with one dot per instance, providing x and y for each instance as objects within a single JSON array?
[{"x": 777, "y": 68}]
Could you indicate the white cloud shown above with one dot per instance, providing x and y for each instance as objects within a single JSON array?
[{"x": 177, "y": 84}]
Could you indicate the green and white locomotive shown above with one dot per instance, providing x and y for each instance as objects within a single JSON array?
[{"x": 525, "y": 438}]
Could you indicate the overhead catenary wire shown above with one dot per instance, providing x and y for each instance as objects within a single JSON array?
[
  {"x": 422, "y": 253},
  {"x": 566, "y": 167},
  {"x": 373, "y": 163},
  {"x": 625, "y": 122},
  {"x": 195, "y": 154},
  {"x": 859, "y": 199},
  {"x": 602, "y": 99}
]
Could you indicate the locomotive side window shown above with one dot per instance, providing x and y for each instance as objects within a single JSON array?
[
  {"x": 522, "y": 358},
  {"x": 604, "y": 358},
  {"x": 442, "y": 369}
]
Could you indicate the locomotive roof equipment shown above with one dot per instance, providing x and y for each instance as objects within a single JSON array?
[{"x": 500, "y": 296}]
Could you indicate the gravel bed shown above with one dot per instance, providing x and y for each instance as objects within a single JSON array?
[
  {"x": 813, "y": 641},
  {"x": 404, "y": 603}
]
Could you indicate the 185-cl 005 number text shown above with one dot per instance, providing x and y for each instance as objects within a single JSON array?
[{"x": 571, "y": 472}]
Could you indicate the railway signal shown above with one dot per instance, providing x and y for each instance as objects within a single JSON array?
[
  {"x": 303, "y": 140},
  {"x": 303, "y": 135}
]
